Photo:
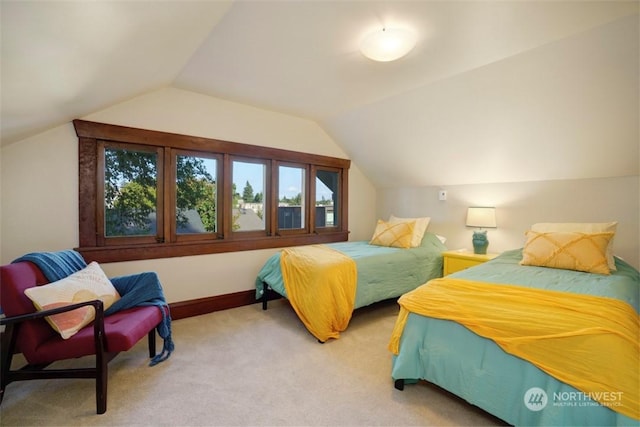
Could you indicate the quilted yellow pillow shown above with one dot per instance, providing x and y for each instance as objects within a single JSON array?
[
  {"x": 421, "y": 224},
  {"x": 393, "y": 234},
  {"x": 87, "y": 284},
  {"x": 567, "y": 250},
  {"x": 582, "y": 227}
]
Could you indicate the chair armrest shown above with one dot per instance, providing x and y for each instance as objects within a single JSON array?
[
  {"x": 13, "y": 322},
  {"x": 97, "y": 304}
]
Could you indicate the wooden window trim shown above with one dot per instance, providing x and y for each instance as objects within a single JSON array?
[{"x": 89, "y": 133}]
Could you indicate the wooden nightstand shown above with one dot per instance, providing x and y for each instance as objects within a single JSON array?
[{"x": 456, "y": 261}]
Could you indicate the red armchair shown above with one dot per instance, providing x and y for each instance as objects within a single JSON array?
[{"x": 27, "y": 332}]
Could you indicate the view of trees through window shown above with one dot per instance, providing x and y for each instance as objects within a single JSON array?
[
  {"x": 130, "y": 192},
  {"x": 196, "y": 194},
  {"x": 131, "y": 195},
  {"x": 131, "y": 188}
]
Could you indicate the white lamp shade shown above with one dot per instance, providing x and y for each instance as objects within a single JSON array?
[
  {"x": 388, "y": 44},
  {"x": 481, "y": 217}
]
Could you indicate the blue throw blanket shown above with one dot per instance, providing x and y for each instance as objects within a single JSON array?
[{"x": 135, "y": 290}]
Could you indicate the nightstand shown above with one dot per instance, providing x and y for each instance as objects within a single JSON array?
[{"x": 456, "y": 261}]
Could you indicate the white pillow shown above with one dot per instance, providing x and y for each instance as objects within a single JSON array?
[
  {"x": 87, "y": 284},
  {"x": 582, "y": 227},
  {"x": 419, "y": 229}
]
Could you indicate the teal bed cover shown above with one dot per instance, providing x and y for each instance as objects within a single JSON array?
[
  {"x": 449, "y": 355},
  {"x": 383, "y": 272}
]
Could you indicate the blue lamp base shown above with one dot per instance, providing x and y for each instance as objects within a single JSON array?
[{"x": 480, "y": 242}]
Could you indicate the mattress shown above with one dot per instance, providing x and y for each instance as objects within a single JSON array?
[{"x": 475, "y": 368}]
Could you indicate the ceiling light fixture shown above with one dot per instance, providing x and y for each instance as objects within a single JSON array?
[{"x": 388, "y": 44}]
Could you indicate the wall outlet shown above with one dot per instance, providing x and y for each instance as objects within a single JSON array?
[{"x": 442, "y": 195}]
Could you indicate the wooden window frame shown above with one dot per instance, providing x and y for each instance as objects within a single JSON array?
[
  {"x": 91, "y": 239},
  {"x": 103, "y": 240}
]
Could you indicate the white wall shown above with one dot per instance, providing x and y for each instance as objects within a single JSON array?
[
  {"x": 40, "y": 185},
  {"x": 518, "y": 205}
]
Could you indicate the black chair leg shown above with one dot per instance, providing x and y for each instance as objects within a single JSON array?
[
  {"x": 152, "y": 343},
  {"x": 7, "y": 348},
  {"x": 101, "y": 383}
]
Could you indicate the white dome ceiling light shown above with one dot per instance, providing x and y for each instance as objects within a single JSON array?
[{"x": 388, "y": 44}]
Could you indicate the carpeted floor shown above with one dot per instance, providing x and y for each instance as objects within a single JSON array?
[{"x": 248, "y": 367}]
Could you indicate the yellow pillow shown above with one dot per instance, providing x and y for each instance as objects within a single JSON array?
[
  {"x": 393, "y": 234},
  {"x": 567, "y": 250},
  {"x": 582, "y": 227},
  {"x": 419, "y": 229},
  {"x": 87, "y": 284}
]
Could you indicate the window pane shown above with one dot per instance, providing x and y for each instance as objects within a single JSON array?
[
  {"x": 130, "y": 191},
  {"x": 327, "y": 184},
  {"x": 291, "y": 208},
  {"x": 196, "y": 195},
  {"x": 248, "y": 195}
]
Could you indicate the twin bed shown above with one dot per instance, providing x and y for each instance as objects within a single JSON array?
[
  {"x": 382, "y": 272},
  {"x": 521, "y": 392}
]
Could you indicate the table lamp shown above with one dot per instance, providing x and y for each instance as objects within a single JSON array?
[{"x": 481, "y": 217}]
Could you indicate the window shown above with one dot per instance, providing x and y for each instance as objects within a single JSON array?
[
  {"x": 195, "y": 198},
  {"x": 147, "y": 194},
  {"x": 292, "y": 202},
  {"x": 249, "y": 188},
  {"x": 129, "y": 193},
  {"x": 327, "y": 198}
]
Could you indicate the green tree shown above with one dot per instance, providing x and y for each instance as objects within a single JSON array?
[
  {"x": 247, "y": 193},
  {"x": 130, "y": 212},
  {"x": 293, "y": 201},
  {"x": 236, "y": 196},
  {"x": 130, "y": 192},
  {"x": 207, "y": 210},
  {"x": 196, "y": 189}
]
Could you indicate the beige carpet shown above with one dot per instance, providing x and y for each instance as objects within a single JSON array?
[{"x": 249, "y": 367}]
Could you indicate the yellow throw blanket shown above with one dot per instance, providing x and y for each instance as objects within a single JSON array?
[
  {"x": 585, "y": 341},
  {"x": 321, "y": 287}
]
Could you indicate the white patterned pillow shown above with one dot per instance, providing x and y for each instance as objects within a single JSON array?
[{"x": 87, "y": 284}]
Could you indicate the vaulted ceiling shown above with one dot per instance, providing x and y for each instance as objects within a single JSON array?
[{"x": 64, "y": 60}]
